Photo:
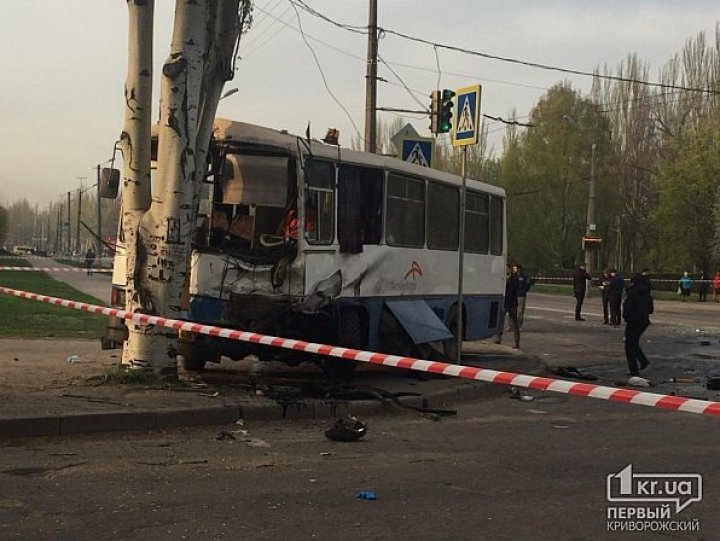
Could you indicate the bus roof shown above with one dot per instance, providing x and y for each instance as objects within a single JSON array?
[{"x": 228, "y": 131}]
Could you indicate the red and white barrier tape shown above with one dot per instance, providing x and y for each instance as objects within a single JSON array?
[
  {"x": 54, "y": 269},
  {"x": 627, "y": 396}
]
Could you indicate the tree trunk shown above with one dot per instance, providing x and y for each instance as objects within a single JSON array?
[
  {"x": 200, "y": 62},
  {"x": 135, "y": 146}
]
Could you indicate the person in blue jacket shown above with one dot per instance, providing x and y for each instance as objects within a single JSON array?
[{"x": 685, "y": 283}]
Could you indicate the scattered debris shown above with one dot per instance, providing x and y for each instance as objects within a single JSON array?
[
  {"x": 573, "y": 373},
  {"x": 560, "y": 426},
  {"x": 517, "y": 394},
  {"x": 325, "y": 454},
  {"x": 15, "y": 359},
  {"x": 637, "y": 381},
  {"x": 705, "y": 343},
  {"x": 256, "y": 442},
  {"x": 367, "y": 495},
  {"x": 93, "y": 399},
  {"x": 683, "y": 380},
  {"x": 225, "y": 435},
  {"x": 349, "y": 429},
  {"x": 72, "y": 359},
  {"x": 713, "y": 383}
]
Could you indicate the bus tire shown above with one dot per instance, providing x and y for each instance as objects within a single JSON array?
[
  {"x": 351, "y": 334},
  {"x": 195, "y": 356},
  {"x": 450, "y": 347}
]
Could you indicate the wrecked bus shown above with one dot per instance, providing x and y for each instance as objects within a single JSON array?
[{"x": 306, "y": 240}]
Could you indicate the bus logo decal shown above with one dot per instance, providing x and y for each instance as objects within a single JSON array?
[{"x": 414, "y": 271}]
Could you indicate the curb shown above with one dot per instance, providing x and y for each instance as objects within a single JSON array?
[{"x": 168, "y": 418}]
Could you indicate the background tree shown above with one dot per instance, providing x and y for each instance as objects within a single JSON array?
[{"x": 545, "y": 171}]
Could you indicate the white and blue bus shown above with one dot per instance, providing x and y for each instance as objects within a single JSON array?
[{"x": 311, "y": 241}]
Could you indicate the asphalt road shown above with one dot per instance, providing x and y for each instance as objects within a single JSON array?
[{"x": 500, "y": 470}]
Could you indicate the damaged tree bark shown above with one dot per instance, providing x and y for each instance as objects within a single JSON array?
[{"x": 204, "y": 37}]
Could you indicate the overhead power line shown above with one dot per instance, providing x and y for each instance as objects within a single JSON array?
[
  {"x": 513, "y": 122},
  {"x": 536, "y": 65}
]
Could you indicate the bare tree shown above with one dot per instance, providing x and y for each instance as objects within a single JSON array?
[{"x": 158, "y": 223}]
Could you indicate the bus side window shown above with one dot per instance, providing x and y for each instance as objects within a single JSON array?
[
  {"x": 496, "y": 226},
  {"x": 405, "y": 222},
  {"x": 443, "y": 212},
  {"x": 477, "y": 222},
  {"x": 320, "y": 201},
  {"x": 359, "y": 207}
]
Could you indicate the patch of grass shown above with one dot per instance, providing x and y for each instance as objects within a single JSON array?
[
  {"x": 121, "y": 375},
  {"x": 554, "y": 289},
  {"x": 24, "y": 318}
]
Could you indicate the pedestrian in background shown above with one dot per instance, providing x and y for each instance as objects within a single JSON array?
[
  {"x": 89, "y": 261},
  {"x": 716, "y": 286},
  {"x": 524, "y": 285},
  {"x": 685, "y": 285},
  {"x": 636, "y": 313},
  {"x": 617, "y": 285},
  {"x": 580, "y": 276},
  {"x": 511, "y": 304},
  {"x": 605, "y": 294},
  {"x": 704, "y": 286}
]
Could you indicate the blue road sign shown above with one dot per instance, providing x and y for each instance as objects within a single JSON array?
[
  {"x": 466, "y": 125},
  {"x": 417, "y": 150}
]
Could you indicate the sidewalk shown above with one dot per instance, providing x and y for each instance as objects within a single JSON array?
[{"x": 41, "y": 393}]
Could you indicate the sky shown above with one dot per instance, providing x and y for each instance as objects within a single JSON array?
[{"x": 64, "y": 65}]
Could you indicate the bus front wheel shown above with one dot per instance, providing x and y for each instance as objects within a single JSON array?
[{"x": 351, "y": 334}]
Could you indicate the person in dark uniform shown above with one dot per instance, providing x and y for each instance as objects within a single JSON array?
[
  {"x": 511, "y": 304},
  {"x": 704, "y": 286},
  {"x": 615, "y": 292},
  {"x": 579, "y": 278},
  {"x": 524, "y": 285},
  {"x": 636, "y": 313},
  {"x": 605, "y": 294}
]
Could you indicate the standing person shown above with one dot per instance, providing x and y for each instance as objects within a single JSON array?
[
  {"x": 579, "y": 278},
  {"x": 524, "y": 285},
  {"x": 716, "y": 286},
  {"x": 685, "y": 284},
  {"x": 511, "y": 304},
  {"x": 604, "y": 286},
  {"x": 704, "y": 286},
  {"x": 636, "y": 313},
  {"x": 89, "y": 260},
  {"x": 615, "y": 291}
]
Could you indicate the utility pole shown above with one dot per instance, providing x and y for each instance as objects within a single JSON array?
[
  {"x": 69, "y": 244},
  {"x": 79, "y": 217},
  {"x": 58, "y": 230},
  {"x": 99, "y": 216},
  {"x": 591, "y": 227},
  {"x": 371, "y": 82}
]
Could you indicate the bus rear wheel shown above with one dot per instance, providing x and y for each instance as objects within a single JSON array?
[
  {"x": 351, "y": 334},
  {"x": 195, "y": 356}
]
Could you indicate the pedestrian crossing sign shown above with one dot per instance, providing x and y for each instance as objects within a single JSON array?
[
  {"x": 466, "y": 127},
  {"x": 417, "y": 150}
]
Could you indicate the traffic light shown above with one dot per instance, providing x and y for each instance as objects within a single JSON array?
[
  {"x": 446, "y": 111},
  {"x": 434, "y": 111}
]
